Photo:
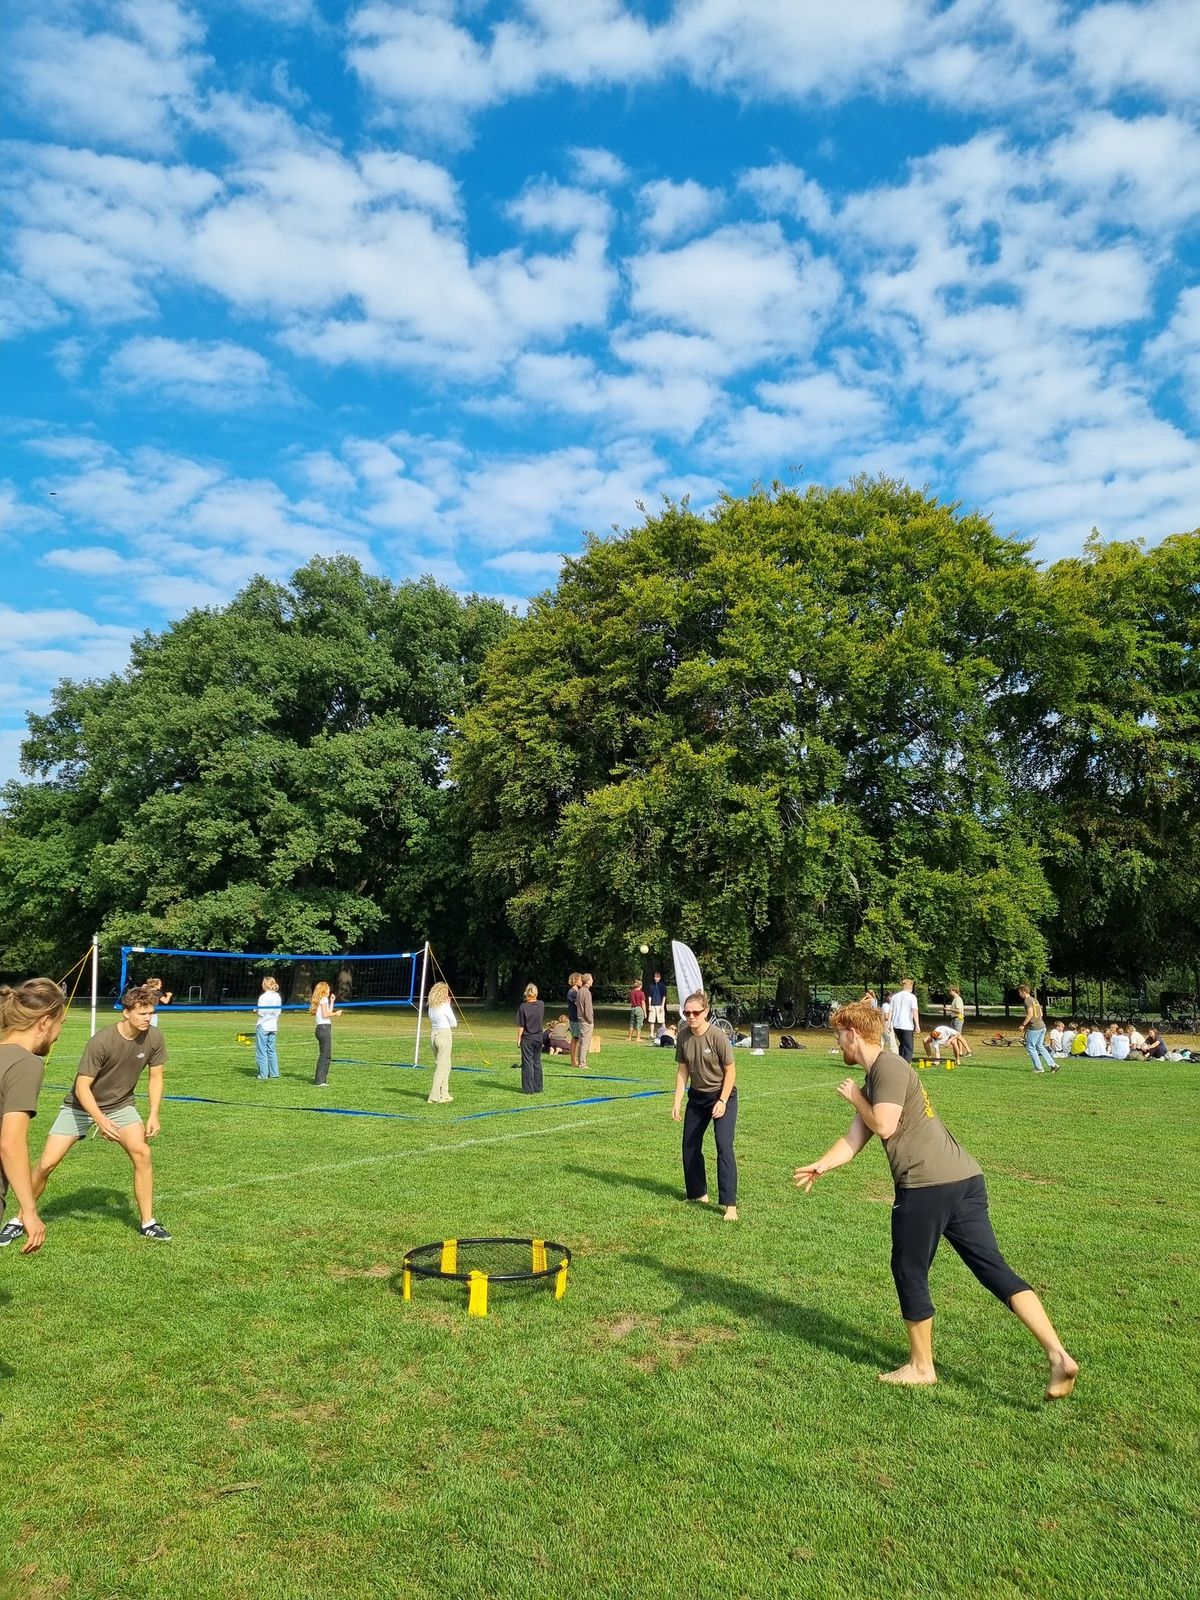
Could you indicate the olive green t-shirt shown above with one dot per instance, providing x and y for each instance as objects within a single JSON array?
[
  {"x": 115, "y": 1064},
  {"x": 21, "y": 1074},
  {"x": 705, "y": 1056},
  {"x": 921, "y": 1152}
]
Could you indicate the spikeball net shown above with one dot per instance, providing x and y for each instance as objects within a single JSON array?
[{"x": 479, "y": 1263}]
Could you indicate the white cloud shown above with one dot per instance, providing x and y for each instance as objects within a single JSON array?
[
  {"x": 560, "y": 209},
  {"x": 126, "y": 84},
  {"x": 783, "y": 190},
  {"x": 527, "y": 563},
  {"x": 674, "y": 404},
  {"x": 213, "y": 375},
  {"x": 673, "y": 210},
  {"x": 597, "y": 166},
  {"x": 1153, "y": 46}
]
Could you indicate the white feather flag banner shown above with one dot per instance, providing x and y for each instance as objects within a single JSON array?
[{"x": 687, "y": 971}]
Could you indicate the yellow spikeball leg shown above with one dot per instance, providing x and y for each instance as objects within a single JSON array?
[
  {"x": 477, "y": 1294},
  {"x": 407, "y": 1284},
  {"x": 449, "y": 1261},
  {"x": 539, "y": 1255},
  {"x": 560, "y": 1282}
]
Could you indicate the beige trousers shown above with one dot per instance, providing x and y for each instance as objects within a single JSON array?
[{"x": 443, "y": 1044}]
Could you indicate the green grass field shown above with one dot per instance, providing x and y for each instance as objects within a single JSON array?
[{"x": 253, "y": 1411}]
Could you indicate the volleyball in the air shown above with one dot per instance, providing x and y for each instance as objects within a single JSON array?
[{"x": 645, "y": 949}]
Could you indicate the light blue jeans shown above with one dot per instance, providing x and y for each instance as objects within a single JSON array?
[
  {"x": 1035, "y": 1041},
  {"x": 265, "y": 1056}
]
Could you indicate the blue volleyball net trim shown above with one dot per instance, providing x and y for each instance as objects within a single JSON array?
[{"x": 231, "y": 980}]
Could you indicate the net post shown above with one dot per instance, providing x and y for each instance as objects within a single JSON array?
[
  {"x": 407, "y": 1282},
  {"x": 421, "y": 1012},
  {"x": 560, "y": 1281},
  {"x": 125, "y": 949},
  {"x": 477, "y": 1294},
  {"x": 95, "y": 981}
]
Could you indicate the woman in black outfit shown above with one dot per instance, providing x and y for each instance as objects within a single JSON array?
[{"x": 531, "y": 1018}]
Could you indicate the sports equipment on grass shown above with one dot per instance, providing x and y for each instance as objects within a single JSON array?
[{"x": 480, "y": 1262}]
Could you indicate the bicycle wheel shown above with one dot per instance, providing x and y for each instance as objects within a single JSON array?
[
  {"x": 785, "y": 1018},
  {"x": 726, "y": 1027}
]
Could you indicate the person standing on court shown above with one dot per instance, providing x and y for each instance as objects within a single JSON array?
[
  {"x": 573, "y": 983},
  {"x": 704, "y": 1067},
  {"x": 102, "y": 1098},
  {"x": 266, "y": 1030},
  {"x": 1033, "y": 1031},
  {"x": 906, "y": 1019},
  {"x": 940, "y": 1194},
  {"x": 531, "y": 1020},
  {"x": 637, "y": 1012},
  {"x": 587, "y": 1018},
  {"x": 442, "y": 1023},
  {"x": 31, "y": 1019},
  {"x": 321, "y": 1005},
  {"x": 656, "y": 994}
]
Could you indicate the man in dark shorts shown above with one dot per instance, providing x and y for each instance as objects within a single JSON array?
[
  {"x": 940, "y": 1193},
  {"x": 31, "y": 1018},
  {"x": 704, "y": 1067},
  {"x": 102, "y": 1098}
]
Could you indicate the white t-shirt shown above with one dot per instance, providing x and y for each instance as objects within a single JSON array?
[
  {"x": 904, "y": 1010},
  {"x": 943, "y": 1033},
  {"x": 1055, "y": 1040},
  {"x": 1120, "y": 1047},
  {"x": 1095, "y": 1043},
  {"x": 442, "y": 1016},
  {"x": 1136, "y": 1039},
  {"x": 325, "y": 1012},
  {"x": 269, "y": 1003}
]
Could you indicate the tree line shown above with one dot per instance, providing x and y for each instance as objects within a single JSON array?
[{"x": 848, "y": 730}]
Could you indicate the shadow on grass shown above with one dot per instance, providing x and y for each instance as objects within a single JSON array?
[
  {"x": 626, "y": 1180},
  {"x": 89, "y": 1204},
  {"x": 807, "y": 1323},
  {"x": 5, "y": 1370}
]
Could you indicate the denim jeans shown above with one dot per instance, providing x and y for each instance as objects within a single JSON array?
[
  {"x": 266, "y": 1057},
  {"x": 1035, "y": 1041}
]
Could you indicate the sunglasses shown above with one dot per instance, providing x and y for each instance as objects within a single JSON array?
[{"x": 693, "y": 1013}]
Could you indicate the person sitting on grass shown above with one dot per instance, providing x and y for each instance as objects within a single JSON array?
[
  {"x": 1155, "y": 1047},
  {"x": 1055, "y": 1039},
  {"x": 1097, "y": 1045},
  {"x": 944, "y": 1037},
  {"x": 556, "y": 1041},
  {"x": 1118, "y": 1045},
  {"x": 1079, "y": 1042},
  {"x": 1137, "y": 1039},
  {"x": 940, "y": 1194},
  {"x": 31, "y": 1019},
  {"x": 102, "y": 1099}
]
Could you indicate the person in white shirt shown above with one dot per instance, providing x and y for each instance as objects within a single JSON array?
[
  {"x": 266, "y": 1055},
  {"x": 885, "y": 1020},
  {"x": 442, "y": 1023},
  {"x": 1120, "y": 1044},
  {"x": 1055, "y": 1040},
  {"x": 906, "y": 1019},
  {"x": 944, "y": 1036},
  {"x": 1137, "y": 1039},
  {"x": 1095, "y": 1043}
]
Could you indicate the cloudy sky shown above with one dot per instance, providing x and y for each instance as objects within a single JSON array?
[{"x": 443, "y": 284}]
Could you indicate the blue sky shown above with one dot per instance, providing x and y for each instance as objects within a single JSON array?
[{"x": 445, "y": 284}]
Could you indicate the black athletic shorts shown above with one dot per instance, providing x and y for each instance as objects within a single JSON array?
[{"x": 958, "y": 1212}]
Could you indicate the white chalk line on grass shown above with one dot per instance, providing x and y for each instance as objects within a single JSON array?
[{"x": 593, "y": 1123}]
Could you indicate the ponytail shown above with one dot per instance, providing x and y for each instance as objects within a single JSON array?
[{"x": 25, "y": 1005}]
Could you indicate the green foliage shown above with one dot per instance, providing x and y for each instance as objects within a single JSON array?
[
  {"x": 789, "y": 733},
  {"x": 269, "y": 774}
]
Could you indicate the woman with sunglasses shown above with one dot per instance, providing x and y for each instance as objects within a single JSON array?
[{"x": 704, "y": 1067}]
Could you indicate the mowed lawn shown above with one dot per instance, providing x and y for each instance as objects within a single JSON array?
[{"x": 253, "y": 1411}]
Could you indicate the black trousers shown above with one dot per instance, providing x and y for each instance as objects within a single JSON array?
[
  {"x": 904, "y": 1042},
  {"x": 957, "y": 1212},
  {"x": 324, "y": 1051},
  {"x": 696, "y": 1118},
  {"x": 531, "y": 1063}
]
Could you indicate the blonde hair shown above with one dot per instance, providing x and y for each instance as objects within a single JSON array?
[
  {"x": 574, "y": 979},
  {"x": 439, "y": 995},
  {"x": 320, "y": 992},
  {"x": 271, "y": 983},
  {"x": 26, "y": 1005},
  {"x": 864, "y": 1019},
  {"x": 531, "y": 991}
]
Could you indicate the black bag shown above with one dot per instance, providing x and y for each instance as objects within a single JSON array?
[{"x": 788, "y": 1043}]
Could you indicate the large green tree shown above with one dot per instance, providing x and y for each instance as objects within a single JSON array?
[
  {"x": 267, "y": 775},
  {"x": 791, "y": 732}
]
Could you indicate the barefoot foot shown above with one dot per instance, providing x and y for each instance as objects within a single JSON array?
[
  {"x": 909, "y": 1375},
  {"x": 731, "y": 1214},
  {"x": 1063, "y": 1372},
  {"x": 700, "y": 1200}
]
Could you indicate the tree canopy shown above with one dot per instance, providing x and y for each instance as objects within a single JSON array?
[{"x": 844, "y": 731}]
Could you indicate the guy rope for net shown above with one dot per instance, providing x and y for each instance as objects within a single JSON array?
[
  {"x": 76, "y": 972},
  {"x": 437, "y": 967},
  {"x": 441, "y": 1260}
]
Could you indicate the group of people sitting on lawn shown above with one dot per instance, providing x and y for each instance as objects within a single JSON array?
[{"x": 1117, "y": 1042}]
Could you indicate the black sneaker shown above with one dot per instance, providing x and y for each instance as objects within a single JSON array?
[
  {"x": 11, "y": 1232},
  {"x": 155, "y": 1231}
]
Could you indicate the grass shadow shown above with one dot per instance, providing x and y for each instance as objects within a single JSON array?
[
  {"x": 626, "y": 1180},
  {"x": 808, "y": 1323},
  {"x": 89, "y": 1204},
  {"x": 5, "y": 1370}
]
